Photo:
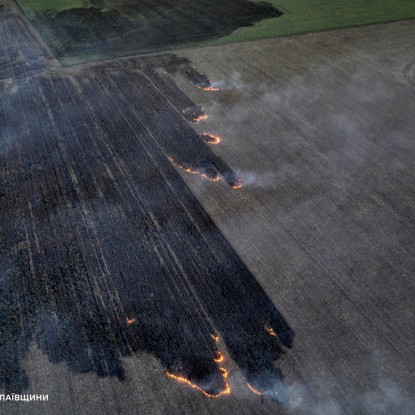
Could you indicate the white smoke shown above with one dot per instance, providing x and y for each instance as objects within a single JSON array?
[
  {"x": 255, "y": 179},
  {"x": 233, "y": 82},
  {"x": 299, "y": 115},
  {"x": 386, "y": 398}
]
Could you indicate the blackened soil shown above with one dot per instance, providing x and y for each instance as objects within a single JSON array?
[
  {"x": 139, "y": 27},
  {"x": 104, "y": 251}
]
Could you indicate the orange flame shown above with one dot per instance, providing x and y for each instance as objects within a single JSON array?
[
  {"x": 212, "y": 179},
  {"x": 213, "y": 139},
  {"x": 237, "y": 185},
  {"x": 187, "y": 169},
  {"x": 271, "y": 332},
  {"x": 224, "y": 372},
  {"x": 130, "y": 321},
  {"x": 194, "y": 171},
  {"x": 210, "y": 88},
  {"x": 182, "y": 379},
  {"x": 201, "y": 118},
  {"x": 219, "y": 357},
  {"x": 257, "y": 392}
]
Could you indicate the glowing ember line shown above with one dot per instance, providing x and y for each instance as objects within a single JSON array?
[
  {"x": 219, "y": 357},
  {"x": 212, "y": 179},
  {"x": 130, "y": 321},
  {"x": 254, "y": 390},
  {"x": 224, "y": 372},
  {"x": 201, "y": 118},
  {"x": 271, "y": 332},
  {"x": 237, "y": 185},
  {"x": 211, "y": 139},
  {"x": 182, "y": 379},
  {"x": 208, "y": 87},
  {"x": 194, "y": 171}
]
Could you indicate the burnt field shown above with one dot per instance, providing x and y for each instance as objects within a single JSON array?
[
  {"x": 102, "y": 29},
  {"x": 105, "y": 251}
]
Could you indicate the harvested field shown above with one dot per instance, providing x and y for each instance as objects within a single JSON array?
[
  {"x": 147, "y": 266},
  {"x": 320, "y": 130}
]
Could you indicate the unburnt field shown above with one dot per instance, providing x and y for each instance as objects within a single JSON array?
[
  {"x": 184, "y": 232},
  {"x": 320, "y": 130}
]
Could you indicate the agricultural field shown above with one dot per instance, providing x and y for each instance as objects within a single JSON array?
[
  {"x": 212, "y": 230},
  {"x": 302, "y": 16},
  {"x": 85, "y": 30}
]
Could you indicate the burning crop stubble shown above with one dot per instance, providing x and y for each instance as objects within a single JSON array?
[{"x": 111, "y": 247}]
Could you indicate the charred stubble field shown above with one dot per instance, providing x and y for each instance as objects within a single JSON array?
[
  {"x": 101, "y": 29},
  {"x": 105, "y": 251}
]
